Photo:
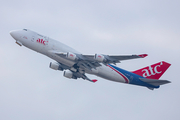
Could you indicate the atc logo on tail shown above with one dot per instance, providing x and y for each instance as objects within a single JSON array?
[{"x": 154, "y": 71}]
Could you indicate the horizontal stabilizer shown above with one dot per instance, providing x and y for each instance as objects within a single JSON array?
[{"x": 155, "y": 82}]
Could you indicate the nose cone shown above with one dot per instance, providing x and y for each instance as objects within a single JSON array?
[{"x": 15, "y": 34}]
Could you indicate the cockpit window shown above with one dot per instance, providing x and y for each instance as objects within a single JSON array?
[{"x": 25, "y": 29}]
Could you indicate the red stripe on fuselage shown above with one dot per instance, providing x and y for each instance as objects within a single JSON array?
[{"x": 126, "y": 79}]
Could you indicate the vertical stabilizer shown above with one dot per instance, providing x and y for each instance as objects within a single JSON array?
[{"x": 154, "y": 71}]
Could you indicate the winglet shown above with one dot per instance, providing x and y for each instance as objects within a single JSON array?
[
  {"x": 143, "y": 55},
  {"x": 94, "y": 80}
]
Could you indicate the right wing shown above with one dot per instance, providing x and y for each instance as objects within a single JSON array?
[
  {"x": 108, "y": 59},
  {"x": 80, "y": 60},
  {"x": 93, "y": 61},
  {"x": 89, "y": 62}
]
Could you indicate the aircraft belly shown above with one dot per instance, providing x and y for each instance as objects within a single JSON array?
[
  {"x": 92, "y": 71},
  {"x": 61, "y": 60},
  {"x": 109, "y": 74}
]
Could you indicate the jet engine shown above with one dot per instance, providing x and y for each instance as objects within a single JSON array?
[
  {"x": 71, "y": 56},
  {"x": 99, "y": 58},
  {"x": 68, "y": 74},
  {"x": 55, "y": 66}
]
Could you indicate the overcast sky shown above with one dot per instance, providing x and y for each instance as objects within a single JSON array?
[{"x": 30, "y": 90}]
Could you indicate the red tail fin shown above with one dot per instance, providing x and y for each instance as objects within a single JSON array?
[{"x": 154, "y": 71}]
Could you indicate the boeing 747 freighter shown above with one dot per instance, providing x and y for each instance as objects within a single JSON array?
[{"x": 76, "y": 65}]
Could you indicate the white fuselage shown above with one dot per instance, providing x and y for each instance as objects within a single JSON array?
[{"x": 48, "y": 46}]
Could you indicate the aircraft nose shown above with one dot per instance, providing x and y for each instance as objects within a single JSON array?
[{"x": 15, "y": 34}]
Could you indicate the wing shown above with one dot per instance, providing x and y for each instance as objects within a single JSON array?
[
  {"x": 83, "y": 76},
  {"x": 88, "y": 62},
  {"x": 80, "y": 60},
  {"x": 93, "y": 61},
  {"x": 108, "y": 59}
]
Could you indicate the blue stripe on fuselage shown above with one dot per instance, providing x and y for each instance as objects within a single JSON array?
[{"x": 133, "y": 78}]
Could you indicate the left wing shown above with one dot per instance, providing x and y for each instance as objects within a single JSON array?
[{"x": 83, "y": 76}]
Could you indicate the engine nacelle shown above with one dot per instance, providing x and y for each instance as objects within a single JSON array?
[
  {"x": 99, "y": 58},
  {"x": 68, "y": 74},
  {"x": 71, "y": 56},
  {"x": 55, "y": 66}
]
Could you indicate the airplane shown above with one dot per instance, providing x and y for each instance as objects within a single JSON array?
[{"x": 75, "y": 64}]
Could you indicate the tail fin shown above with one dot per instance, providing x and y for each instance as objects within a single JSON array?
[{"x": 154, "y": 71}]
